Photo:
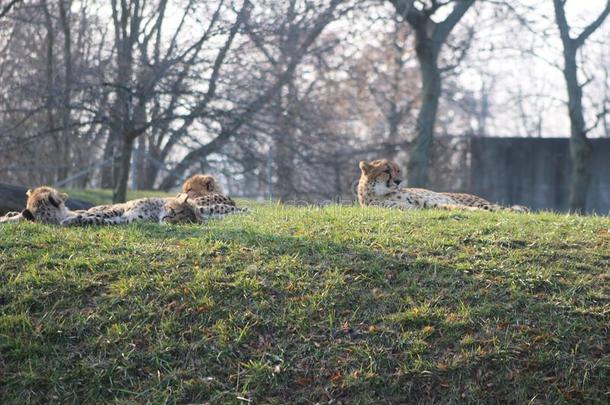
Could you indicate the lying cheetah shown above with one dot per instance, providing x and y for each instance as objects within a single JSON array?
[
  {"x": 203, "y": 184},
  {"x": 184, "y": 209},
  {"x": 380, "y": 185},
  {"x": 142, "y": 209},
  {"x": 206, "y": 201},
  {"x": 45, "y": 205}
]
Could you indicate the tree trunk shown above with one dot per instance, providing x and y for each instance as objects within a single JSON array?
[
  {"x": 284, "y": 142},
  {"x": 50, "y": 76},
  {"x": 430, "y": 94},
  {"x": 429, "y": 38},
  {"x": 580, "y": 146},
  {"x": 107, "y": 155},
  {"x": 126, "y": 28},
  {"x": 141, "y": 163},
  {"x": 66, "y": 94},
  {"x": 150, "y": 173},
  {"x": 122, "y": 169},
  {"x": 390, "y": 147}
]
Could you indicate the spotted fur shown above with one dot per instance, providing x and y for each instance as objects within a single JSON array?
[
  {"x": 184, "y": 209},
  {"x": 380, "y": 185},
  {"x": 200, "y": 185},
  {"x": 204, "y": 201},
  {"x": 13, "y": 216},
  {"x": 142, "y": 209},
  {"x": 45, "y": 205}
]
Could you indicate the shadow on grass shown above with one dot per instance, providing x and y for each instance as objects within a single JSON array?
[
  {"x": 440, "y": 331},
  {"x": 281, "y": 318}
]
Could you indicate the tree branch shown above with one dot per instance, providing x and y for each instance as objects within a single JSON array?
[
  {"x": 590, "y": 29},
  {"x": 256, "y": 105},
  {"x": 4, "y": 11},
  {"x": 443, "y": 28},
  {"x": 562, "y": 22}
]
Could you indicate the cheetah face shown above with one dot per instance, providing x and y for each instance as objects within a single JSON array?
[
  {"x": 200, "y": 185},
  {"x": 45, "y": 204},
  {"x": 381, "y": 176},
  {"x": 178, "y": 211}
]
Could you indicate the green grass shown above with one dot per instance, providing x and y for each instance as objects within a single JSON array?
[
  {"x": 104, "y": 196},
  {"x": 305, "y": 305}
]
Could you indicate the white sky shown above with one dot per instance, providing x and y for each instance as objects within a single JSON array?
[
  {"x": 534, "y": 74},
  {"x": 497, "y": 53}
]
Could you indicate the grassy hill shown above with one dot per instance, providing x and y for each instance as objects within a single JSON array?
[{"x": 309, "y": 304}]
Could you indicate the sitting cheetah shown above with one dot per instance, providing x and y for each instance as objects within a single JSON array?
[
  {"x": 380, "y": 185},
  {"x": 185, "y": 209}
]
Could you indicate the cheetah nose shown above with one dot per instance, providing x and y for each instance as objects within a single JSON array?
[{"x": 397, "y": 181}]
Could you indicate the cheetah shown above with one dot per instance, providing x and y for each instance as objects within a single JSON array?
[
  {"x": 141, "y": 209},
  {"x": 199, "y": 185},
  {"x": 206, "y": 201},
  {"x": 45, "y": 205},
  {"x": 380, "y": 185},
  {"x": 184, "y": 209}
]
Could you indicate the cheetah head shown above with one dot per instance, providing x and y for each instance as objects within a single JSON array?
[
  {"x": 378, "y": 178},
  {"x": 200, "y": 185},
  {"x": 179, "y": 210},
  {"x": 45, "y": 204}
]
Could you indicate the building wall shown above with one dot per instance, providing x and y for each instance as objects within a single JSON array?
[{"x": 535, "y": 172}]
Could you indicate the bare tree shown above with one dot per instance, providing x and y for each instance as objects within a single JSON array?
[
  {"x": 386, "y": 73},
  {"x": 429, "y": 39},
  {"x": 48, "y": 103},
  {"x": 68, "y": 82},
  {"x": 249, "y": 108},
  {"x": 136, "y": 85},
  {"x": 580, "y": 147}
]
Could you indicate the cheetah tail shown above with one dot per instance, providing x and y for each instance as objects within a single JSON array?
[
  {"x": 514, "y": 208},
  {"x": 519, "y": 208}
]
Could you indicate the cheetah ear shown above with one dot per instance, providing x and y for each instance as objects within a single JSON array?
[
  {"x": 27, "y": 214},
  {"x": 210, "y": 185},
  {"x": 29, "y": 192},
  {"x": 63, "y": 197},
  {"x": 365, "y": 167},
  {"x": 182, "y": 198}
]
